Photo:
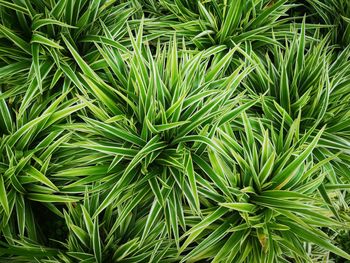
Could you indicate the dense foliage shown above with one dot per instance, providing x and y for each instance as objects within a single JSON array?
[{"x": 174, "y": 131}]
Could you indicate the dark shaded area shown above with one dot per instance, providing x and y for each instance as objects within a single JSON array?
[{"x": 50, "y": 226}]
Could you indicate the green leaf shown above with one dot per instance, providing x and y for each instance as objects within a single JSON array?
[
  {"x": 192, "y": 179},
  {"x": 313, "y": 237},
  {"x": 285, "y": 175},
  {"x": 50, "y": 198},
  {"x": 15, "y": 7},
  {"x": 3, "y": 196},
  {"x": 37, "y": 175},
  {"x": 15, "y": 39},
  {"x": 96, "y": 241},
  {"x": 241, "y": 207},
  {"x": 284, "y": 90},
  {"x": 197, "y": 229},
  {"x": 36, "y": 38}
]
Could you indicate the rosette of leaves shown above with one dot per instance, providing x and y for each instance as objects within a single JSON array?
[
  {"x": 336, "y": 15},
  {"x": 146, "y": 138},
  {"x": 266, "y": 200},
  {"x": 30, "y": 150},
  {"x": 34, "y": 59},
  {"x": 210, "y": 23},
  {"x": 304, "y": 85}
]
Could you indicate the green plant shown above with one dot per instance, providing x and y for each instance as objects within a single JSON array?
[{"x": 174, "y": 131}]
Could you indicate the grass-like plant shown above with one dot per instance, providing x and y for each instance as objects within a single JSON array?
[{"x": 174, "y": 131}]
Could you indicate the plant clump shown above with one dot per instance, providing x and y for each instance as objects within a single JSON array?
[{"x": 174, "y": 131}]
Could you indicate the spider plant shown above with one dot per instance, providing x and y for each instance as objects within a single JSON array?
[{"x": 174, "y": 131}]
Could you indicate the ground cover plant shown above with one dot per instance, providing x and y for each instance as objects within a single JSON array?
[{"x": 174, "y": 131}]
